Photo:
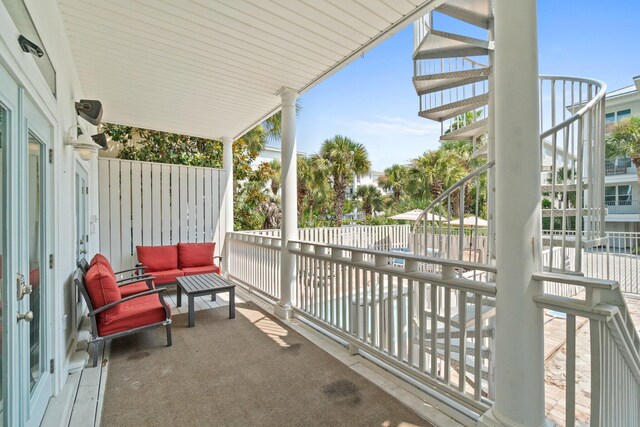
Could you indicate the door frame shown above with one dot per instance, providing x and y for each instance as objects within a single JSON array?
[{"x": 35, "y": 123}]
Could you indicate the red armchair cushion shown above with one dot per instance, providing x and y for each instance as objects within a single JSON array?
[
  {"x": 103, "y": 290},
  {"x": 158, "y": 258},
  {"x": 103, "y": 259},
  {"x": 134, "y": 314},
  {"x": 133, "y": 288},
  {"x": 201, "y": 270},
  {"x": 166, "y": 276},
  {"x": 195, "y": 254}
]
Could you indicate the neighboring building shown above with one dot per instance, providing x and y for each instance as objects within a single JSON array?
[
  {"x": 269, "y": 154},
  {"x": 621, "y": 179},
  {"x": 370, "y": 178}
]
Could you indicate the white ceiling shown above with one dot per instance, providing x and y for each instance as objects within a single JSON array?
[{"x": 212, "y": 68}]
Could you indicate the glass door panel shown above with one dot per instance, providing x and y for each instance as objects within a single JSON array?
[{"x": 36, "y": 267}]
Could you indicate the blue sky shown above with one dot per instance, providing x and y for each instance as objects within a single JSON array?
[{"x": 373, "y": 102}]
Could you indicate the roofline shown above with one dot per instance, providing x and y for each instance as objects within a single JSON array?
[{"x": 393, "y": 29}]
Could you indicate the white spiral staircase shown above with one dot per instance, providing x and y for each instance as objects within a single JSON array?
[{"x": 453, "y": 79}]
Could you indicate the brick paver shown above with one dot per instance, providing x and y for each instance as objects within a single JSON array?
[{"x": 555, "y": 364}]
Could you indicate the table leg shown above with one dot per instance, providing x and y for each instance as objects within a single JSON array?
[
  {"x": 232, "y": 304},
  {"x": 213, "y": 296},
  {"x": 192, "y": 312},
  {"x": 179, "y": 298}
]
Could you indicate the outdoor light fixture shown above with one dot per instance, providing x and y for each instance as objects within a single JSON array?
[
  {"x": 100, "y": 139},
  {"x": 85, "y": 145},
  {"x": 30, "y": 47},
  {"x": 90, "y": 110}
]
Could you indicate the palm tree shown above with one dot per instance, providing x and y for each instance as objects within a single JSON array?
[
  {"x": 312, "y": 182},
  {"x": 344, "y": 159},
  {"x": 624, "y": 140},
  {"x": 394, "y": 180},
  {"x": 275, "y": 173},
  {"x": 369, "y": 198},
  {"x": 433, "y": 172},
  {"x": 273, "y": 125}
]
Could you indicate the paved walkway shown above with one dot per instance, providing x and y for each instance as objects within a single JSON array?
[{"x": 555, "y": 364}]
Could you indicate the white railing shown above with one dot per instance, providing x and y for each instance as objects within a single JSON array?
[
  {"x": 438, "y": 233},
  {"x": 572, "y": 114},
  {"x": 379, "y": 237},
  {"x": 254, "y": 261},
  {"x": 612, "y": 385},
  {"x": 417, "y": 315},
  {"x": 434, "y": 327}
]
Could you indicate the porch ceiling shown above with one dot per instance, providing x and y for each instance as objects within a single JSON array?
[{"x": 212, "y": 68}]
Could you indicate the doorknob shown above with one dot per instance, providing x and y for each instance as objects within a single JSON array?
[
  {"x": 27, "y": 317},
  {"x": 23, "y": 288}
]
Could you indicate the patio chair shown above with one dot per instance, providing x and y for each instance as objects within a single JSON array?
[
  {"x": 134, "y": 284},
  {"x": 113, "y": 316}
]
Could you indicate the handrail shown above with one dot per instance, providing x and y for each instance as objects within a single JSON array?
[
  {"x": 451, "y": 189},
  {"x": 404, "y": 256},
  {"x": 581, "y": 112}
]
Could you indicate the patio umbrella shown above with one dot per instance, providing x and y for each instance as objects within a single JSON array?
[
  {"x": 415, "y": 214},
  {"x": 470, "y": 221}
]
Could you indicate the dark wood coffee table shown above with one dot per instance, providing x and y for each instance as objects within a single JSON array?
[{"x": 205, "y": 284}]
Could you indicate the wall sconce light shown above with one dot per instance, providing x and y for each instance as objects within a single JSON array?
[{"x": 83, "y": 144}]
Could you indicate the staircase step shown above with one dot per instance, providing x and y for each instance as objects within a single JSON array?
[
  {"x": 474, "y": 12},
  {"x": 468, "y": 132},
  {"x": 480, "y": 153},
  {"x": 440, "y": 44},
  {"x": 486, "y": 332},
  {"x": 454, "y": 346},
  {"x": 546, "y": 188},
  {"x": 486, "y": 312},
  {"x": 440, "y": 81},
  {"x": 558, "y": 212},
  {"x": 453, "y": 109}
]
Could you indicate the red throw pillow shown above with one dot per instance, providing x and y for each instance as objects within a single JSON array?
[
  {"x": 103, "y": 290},
  {"x": 195, "y": 254},
  {"x": 158, "y": 258},
  {"x": 99, "y": 258}
]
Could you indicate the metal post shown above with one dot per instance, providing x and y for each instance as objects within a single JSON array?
[
  {"x": 519, "y": 323},
  {"x": 289, "y": 202}
]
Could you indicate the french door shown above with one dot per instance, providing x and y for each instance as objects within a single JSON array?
[{"x": 25, "y": 346}]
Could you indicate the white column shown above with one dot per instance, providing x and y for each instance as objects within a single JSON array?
[
  {"x": 227, "y": 201},
  {"x": 289, "y": 184},
  {"x": 519, "y": 353}
]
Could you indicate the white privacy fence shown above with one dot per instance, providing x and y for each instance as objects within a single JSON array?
[{"x": 143, "y": 203}]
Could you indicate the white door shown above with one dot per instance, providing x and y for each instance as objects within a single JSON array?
[{"x": 24, "y": 241}]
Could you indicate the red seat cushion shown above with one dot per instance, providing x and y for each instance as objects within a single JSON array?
[
  {"x": 195, "y": 254},
  {"x": 134, "y": 288},
  {"x": 103, "y": 290},
  {"x": 158, "y": 258},
  {"x": 134, "y": 314},
  {"x": 103, "y": 259},
  {"x": 201, "y": 270},
  {"x": 166, "y": 276}
]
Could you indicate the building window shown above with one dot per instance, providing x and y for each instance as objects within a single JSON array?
[
  {"x": 617, "y": 116},
  {"x": 624, "y": 114},
  {"x": 617, "y": 195}
]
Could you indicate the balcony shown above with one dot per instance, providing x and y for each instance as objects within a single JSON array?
[
  {"x": 618, "y": 167},
  {"x": 631, "y": 207}
]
